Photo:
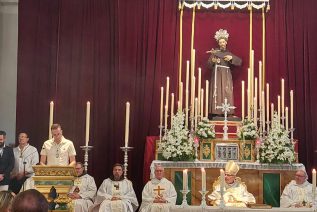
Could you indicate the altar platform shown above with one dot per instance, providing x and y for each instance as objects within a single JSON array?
[
  {"x": 264, "y": 181},
  {"x": 229, "y": 209}
]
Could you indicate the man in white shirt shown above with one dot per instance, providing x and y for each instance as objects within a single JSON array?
[
  {"x": 298, "y": 193},
  {"x": 115, "y": 194},
  {"x": 58, "y": 151},
  {"x": 25, "y": 157},
  {"x": 159, "y": 193},
  {"x": 83, "y": 191}
]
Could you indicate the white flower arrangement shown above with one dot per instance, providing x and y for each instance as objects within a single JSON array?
[
  {"x": 277, "y": 146},
  {"x": 176, "y": 144},
  {"x": 205, "y": 129},
  {"x": 248, "y": 130}
]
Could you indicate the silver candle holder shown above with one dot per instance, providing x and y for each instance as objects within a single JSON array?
[
  {"x": 86, "y": 149},
  {"x": 184, "y": 203},
  {"x": 125, "y": 149},
  {"x": 203, "y": 203}
]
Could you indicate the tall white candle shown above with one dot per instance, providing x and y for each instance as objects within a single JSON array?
[
  {"x": 314, "y": 179},
  {"x": 127, "y": 121},
  {"x": 187, "y": 86},
  {"x": 242, "y": 100},
  {"x": 292, "y": 108},
  {"x": 87, "y": 122},
  {"x": 202, "y": 104},
  {"x": 207, "y": 98},
  {"x": 167, "y": 92},
  {"x": 249, "y": 106},
  {"x": 165, "y": 118},
  {"x": 267, "y": 104},
  {"x": 180, "y": 96},
  {"x": 222, "y": 180},
  {"x": 161, "y": 106},
  {"x": 263, "y": 110},
  {"x": 286, "y": 118},
  {"x": 199, "y": 89},
  {"x": 50, "y": 122},
  {"x": 260, "y": 77},
  {"x": 186, "y": 109},
  {"x": 185, "y": 180},
  {"x": 248, "y": 94},
  {"x": 196, "y": 112},
  {"x": 272, "y": 114},
  {"x": 279, "y": 108},
  {"x": 255, "y": 111},
  {"x": 282, "y": 94},
  {"x": 193, "y": 103},
  {"x": 172, "y": 108},
  {"x": 203, "y": 179},
  {"x": 256, "y": 88}
]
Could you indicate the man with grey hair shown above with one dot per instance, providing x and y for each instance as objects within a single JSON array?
[
  {"x": 159, "y": 193},
  {"x": 298, "y": 193}
]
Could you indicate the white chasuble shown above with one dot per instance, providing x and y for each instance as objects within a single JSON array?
[
  {"x": 120, "y": 189},
  {"x": 163, "y": 188},
  {"x": 297, "y": 194},
  {"x": 86, "y": 187},
  {"x": 235, "y": 195}
]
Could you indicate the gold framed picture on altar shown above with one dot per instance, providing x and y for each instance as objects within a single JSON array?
[
  {"x": 206, "y": 150},
  {"x": 247, "y": 153}
]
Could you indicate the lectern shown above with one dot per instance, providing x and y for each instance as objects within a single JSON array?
[{"x": 54, "y": 182}]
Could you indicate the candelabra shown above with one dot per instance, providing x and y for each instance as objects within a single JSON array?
[
  {"x": 222, "y": 201},
  {"x": 86, "y": 149},
  {"x": 125, "y": 149},
  {"x": 203, "y": 203},
  {"x": 184, "y": 203}
]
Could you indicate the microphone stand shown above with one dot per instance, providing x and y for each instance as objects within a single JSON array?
[{"x": 24, "y": 162}]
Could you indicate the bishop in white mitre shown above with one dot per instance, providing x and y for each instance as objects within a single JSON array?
[
  {"x": 235, "y": 191},
  {"x": 159, "y": 194},
  {"x": 115, "y": 194},
  {"x": 298, "y": 193},
  {"x": 83, "y": 191}
]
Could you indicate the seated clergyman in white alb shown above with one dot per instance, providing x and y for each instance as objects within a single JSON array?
[
  {"x": 115, "y": 194},
  {"x": 235, "y": 192},
  {"x": 298, "y": 193},
  {"x": 159, "y": 193},
  {"x": 83, "y": 191}
]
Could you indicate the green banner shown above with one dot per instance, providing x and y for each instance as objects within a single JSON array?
[
  {"x": 271, "y": 189},
  {"x": 179, "y": 186}
]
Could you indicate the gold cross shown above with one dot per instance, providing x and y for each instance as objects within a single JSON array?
[{"x": 159, "y": 189}]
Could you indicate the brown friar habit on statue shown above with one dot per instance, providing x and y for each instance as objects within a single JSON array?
[{"x": 221, "y": 86}]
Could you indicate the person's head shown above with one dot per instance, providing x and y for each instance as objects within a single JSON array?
[
  {"x": 6, "y": 198},
  {"x": 231, "y": 171},
  {"x": 300, "y": 177},
  {"x": 23, "y": 139},
  {"x": 2, "y": 138},
  {"x": 222, "y": 43},
  {"x": 57, "y": 132},
  {"x": 79, "y": 168},
  {"x": 159, "y": 172},
  {"x": 221, "y": 37},
  {"x": 117, "y": 172},
  {"x": 29, "y": 201}
]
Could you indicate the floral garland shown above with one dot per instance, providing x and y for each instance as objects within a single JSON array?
[
  {"x": 277, "y": 146},
  {"x": 176, "y": 144},
  {"x": 248, "y": 130},
  {"x": 205, "y": 129}
]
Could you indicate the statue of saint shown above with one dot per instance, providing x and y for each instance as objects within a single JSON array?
[{"x": 220, "y": 61}]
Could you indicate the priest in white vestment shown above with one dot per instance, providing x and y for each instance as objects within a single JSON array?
[
  {"x": 298, "y": 193},
  {"x": 83, "y": 191},
  {"x": 115, "y": 194},
  {"x": 159, "y": 194},
  {"x": 235, "y": 191}
]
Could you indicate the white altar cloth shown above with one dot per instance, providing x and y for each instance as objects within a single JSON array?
[{"x": 179, "y": 208}]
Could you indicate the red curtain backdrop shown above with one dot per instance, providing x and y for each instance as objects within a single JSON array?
[{"x": 110, "y": 52}]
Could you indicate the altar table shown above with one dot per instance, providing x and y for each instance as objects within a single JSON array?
[
  {"x": 265, "y": 181},
  {"x": 229, "y": 209}
]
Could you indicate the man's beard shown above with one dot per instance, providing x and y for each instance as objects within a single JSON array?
[{"x": 1, "y": 145}]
